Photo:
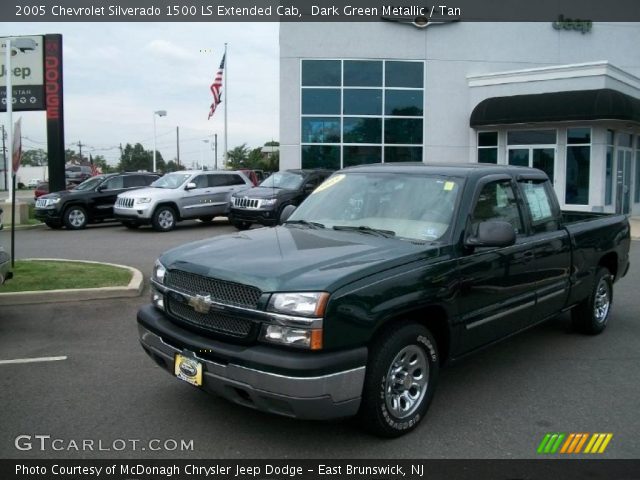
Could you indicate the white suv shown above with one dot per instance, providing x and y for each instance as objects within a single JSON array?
[{"x": 180, "y": 196}]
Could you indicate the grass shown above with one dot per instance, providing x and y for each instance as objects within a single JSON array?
[{"x": 48, "y": 275}]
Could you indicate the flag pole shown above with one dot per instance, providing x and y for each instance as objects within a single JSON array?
[{"x": 226, "y": 104}]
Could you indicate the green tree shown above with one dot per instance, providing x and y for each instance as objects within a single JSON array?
[
  {"x": 136, "y": 158},
  {"x": 237, "y": 157},
  {"x": 172, "y": 166},
  {"x": 71, "y": 156},
  {"x": 34, "y": 158},
  {"x": 102, "y": 164}
]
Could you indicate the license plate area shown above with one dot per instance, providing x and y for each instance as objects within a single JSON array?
[{"x": 188, "y": 369}]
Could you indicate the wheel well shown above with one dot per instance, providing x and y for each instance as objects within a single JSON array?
[
  {"x": 169, "y": 204},
  {"x": 610, "y": 262},
  {"x": 433, "y": 317}
]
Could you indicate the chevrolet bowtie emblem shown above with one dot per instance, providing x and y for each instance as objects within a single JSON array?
[{"x": 201, "y": 303}]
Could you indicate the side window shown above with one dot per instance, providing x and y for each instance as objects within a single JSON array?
[
  {"x": 114, "y": 183},
  {"x": 541, "y": 206},
  {"x": 217, "y": 180},
  {"x": 497, "y": 201},
  {"x": 235, "y": 180},
  {"x": 131, "y": 181},
  {"x": 202, "y": 181}
]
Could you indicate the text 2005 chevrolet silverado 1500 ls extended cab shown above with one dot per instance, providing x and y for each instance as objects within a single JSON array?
[{"x": 384, "y": 273}]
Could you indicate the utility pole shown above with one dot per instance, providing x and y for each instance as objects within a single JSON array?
[
  {"x": 178, "y": 145},
  {"x": 4, "y": 156},
  {"x": 215, "y": 149},
  {"x": 80, "y": 147}
]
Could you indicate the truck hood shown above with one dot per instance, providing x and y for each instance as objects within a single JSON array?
[
  {"x": 263, "y": 192},
  {"x": 292, "y": 258}
]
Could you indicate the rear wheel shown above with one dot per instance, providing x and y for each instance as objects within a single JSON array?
[
  {"x": 592, "y": 314},
  {"x": 164, "y": 219},
  {"x": 400, "y": 381},
  {"x": 75, "y": 217}
]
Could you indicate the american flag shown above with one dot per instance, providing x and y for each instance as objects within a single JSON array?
[
  {"x": 95, "y": 170},
  {"x": 216, "y": 88}
]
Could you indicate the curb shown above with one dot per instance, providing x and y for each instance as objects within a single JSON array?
[{"x": 134, "y": 289}]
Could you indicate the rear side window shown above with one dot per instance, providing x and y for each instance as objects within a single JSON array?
[
  {"x": 225, "y": 180},
  {"x": 540, "y": 204},
  {"x": 497, "y": 201}
]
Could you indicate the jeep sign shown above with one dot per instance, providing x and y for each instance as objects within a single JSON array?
[{"x": 26, "y": 76}]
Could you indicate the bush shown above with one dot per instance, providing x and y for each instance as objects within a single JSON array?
[{"x": 21, "y": 186}]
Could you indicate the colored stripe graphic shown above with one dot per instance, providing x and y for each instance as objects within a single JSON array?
[{"x": 572, "y": 443}]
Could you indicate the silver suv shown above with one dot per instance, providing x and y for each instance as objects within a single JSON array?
[{"x": 180, "y": 196}]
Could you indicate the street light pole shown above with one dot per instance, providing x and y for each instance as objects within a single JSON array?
[
  {"x": 160, "y": 113},
  {"x": 9, "y": 101}
]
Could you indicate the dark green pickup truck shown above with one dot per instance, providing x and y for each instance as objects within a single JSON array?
[{"x": 382, "y": 275}]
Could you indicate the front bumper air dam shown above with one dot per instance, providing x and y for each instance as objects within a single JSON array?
[{"x": 315, "y": 397}]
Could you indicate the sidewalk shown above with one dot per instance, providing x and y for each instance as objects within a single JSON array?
[{"x": 635, "y": 227}]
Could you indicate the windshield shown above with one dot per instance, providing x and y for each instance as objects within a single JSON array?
[
  {"x": 90, "y": 183},
  {"x": 285, "y": 180},
  {"x": 416, "y": 207},
  {"x": 171, "y": 180}
]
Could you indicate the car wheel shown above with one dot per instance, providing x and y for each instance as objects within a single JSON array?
[
  {"x": 75, "y": 217},
  {"x": 164, "y": 219},
  {"x": 131, "y": 225},
  {"x": 592, "y": 314},
  {"x": 400, "y": 381},
  {"x": 53, "y": 225},
  {"x": 241, "y": 225}
]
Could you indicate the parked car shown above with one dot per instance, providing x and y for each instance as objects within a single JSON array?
[
  {"x": 264, "y": 203},
  {"x": 382, "y": 275},
  {"x": 91, "y": 201},
  {"x": 77, "y": 173},
  {"x": 5, "y": 260},
  {"x": 43, "y": 188},
  {"x": 180, "y": 196},
  {"x": 33, "y": 183}
]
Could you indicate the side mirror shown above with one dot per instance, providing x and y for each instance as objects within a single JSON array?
[
  {"x": 493, "y": 233},
  {"x": 286, "y": 213},
  {"x": 190, "y": 186},
  {"x": 101, "y": 188}
]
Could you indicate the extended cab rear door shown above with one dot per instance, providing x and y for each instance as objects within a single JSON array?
[
  {"x": 549, "y": 242},
  {"x": 497, "y": 294}
]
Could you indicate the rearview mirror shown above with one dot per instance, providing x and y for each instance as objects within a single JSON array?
[
  {"x": 286, "y": 213},
  {"x": 190, "y": 186},
  {"x": 493, "y": 233}
]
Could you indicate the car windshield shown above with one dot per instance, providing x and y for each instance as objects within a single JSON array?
[
  {"x": 90, "y": 183},
  {"x": 285, "y": 180},
  {"x": 409, "y": 206},
  {"x": 171, "y": 180}
]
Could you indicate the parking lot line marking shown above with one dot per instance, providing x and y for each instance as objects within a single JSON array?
[{"x": 32, "y": 360}]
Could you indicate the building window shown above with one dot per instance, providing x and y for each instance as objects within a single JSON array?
[
  {"x": 608, "y": 186},
  {"x": 578, "y": 166},
  {"x": 533, "y": 148},
  {"x": 487, "y": 147},
  {"x": 361, "y": 111}
]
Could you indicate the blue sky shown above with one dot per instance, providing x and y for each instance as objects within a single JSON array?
[{"x": 117, "y": 74}]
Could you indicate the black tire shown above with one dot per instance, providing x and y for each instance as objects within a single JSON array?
[
  {"x": 592, "y": 314},
  {"x": 164, "y": 219},
  {"x": 75, "y": 217},
  {"x": 385, "y": 409},
  {"x": 131, "y": 225},
  {"x": 53, "y": 225},
  {"x": 241, "y": 224}
]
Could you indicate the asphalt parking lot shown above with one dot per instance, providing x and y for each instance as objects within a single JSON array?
[{"x": 497, "y": 404}]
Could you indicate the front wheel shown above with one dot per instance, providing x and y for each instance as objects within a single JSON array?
[
  {"x": 75, "y": 217},
  {"x": 164, "y": 219},
  {"x": 241, "y": 224},
  {"x": 592, "y": 314},
  {"x": 400, "y": 381}
]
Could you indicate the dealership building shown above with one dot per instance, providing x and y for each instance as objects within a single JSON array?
[{"x": 562, "y": 97}]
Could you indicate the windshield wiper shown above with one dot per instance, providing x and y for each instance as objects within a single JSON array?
[
  {"x": 366, "y": 229},
  {"x": 314, "y": 225}
]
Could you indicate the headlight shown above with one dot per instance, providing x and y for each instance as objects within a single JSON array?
[
  {"x": 311, "y": 304},
  {"x": 51, "y": 201},
  {"x": 159, "y": 272},
  {"x": 143, "y": 200},
  {"x": 267, "y": 202},
  {"x": 293, "y": 337}
]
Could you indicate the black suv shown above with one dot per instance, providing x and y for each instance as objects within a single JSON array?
[
  {"x": 263, "y": 204},
  {"x": 91, "y": 201}
]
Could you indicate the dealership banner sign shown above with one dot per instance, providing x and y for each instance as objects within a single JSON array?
[{"x": 27, "y": 76}]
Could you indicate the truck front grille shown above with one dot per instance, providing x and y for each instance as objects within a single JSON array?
[
  {"x": 218, "y": 322},
  {"x": 246, "y": 202},
  {"x": 124, "y": 202},
  {"x": 221, "y": 291}
]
